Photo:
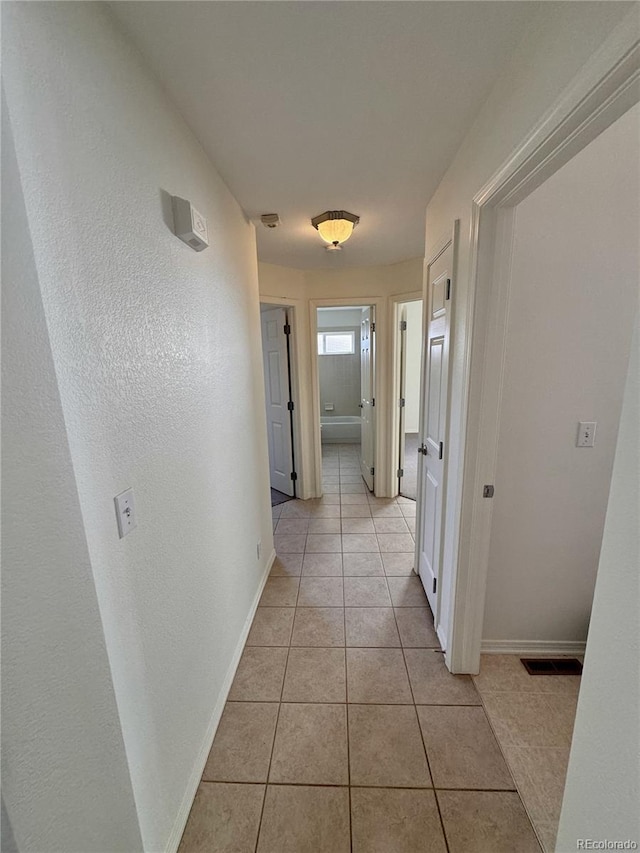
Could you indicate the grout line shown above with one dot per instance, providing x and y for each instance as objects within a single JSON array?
[
  {"x": 375, "y": 787},
  {"x": 424, "y": 745},
  {"x": 444, "y": 831},
  {"x": 275, "y": 732},
  {"x": 426, "y": 752},
  {"x": 346, "y": 690},
  {"x": 508, "y": 765},
  {"x": 345, "y": 645},
  {"x": 360, "y": 702}
]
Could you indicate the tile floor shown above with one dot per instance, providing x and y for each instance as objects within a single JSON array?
[
  {"x": 343, "y": 730},
  {"x": 532, "y": 717}
]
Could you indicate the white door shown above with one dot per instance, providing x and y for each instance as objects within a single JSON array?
[
  {"x": 367, "y": 401},
  {"x": 276, "y": 385},
  {"x": 402, "y": 385},
  {"x": 431, "y": 472}
]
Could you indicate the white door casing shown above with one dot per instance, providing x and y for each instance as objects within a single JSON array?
[
  {"x": 276, "y": 385},
  {"x": 433, "y": 424},
  {"x": 367, "y": 401}
]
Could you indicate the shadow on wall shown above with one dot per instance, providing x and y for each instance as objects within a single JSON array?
[
  {"x": 7, "y": 841},
  {"x": 166, "y": 205}
]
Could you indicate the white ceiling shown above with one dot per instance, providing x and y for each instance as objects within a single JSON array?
[{"x": 309, "y": 106}]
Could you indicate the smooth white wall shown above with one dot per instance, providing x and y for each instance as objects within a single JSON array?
[
  {"x": 557, "y": 45},
  {"x": 65, "y": 779},
  {"x": 414, "y": 357},
  {"x": 575, "y": 274},
  {"x": 156, "y": 351},
  {"x": 332, "y": 318},
  {"x": 603, "y": 780}
]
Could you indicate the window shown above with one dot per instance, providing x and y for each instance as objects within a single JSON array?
[{"x": 336, "y": 343}]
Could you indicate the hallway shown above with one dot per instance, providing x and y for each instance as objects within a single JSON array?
[{"x": 344, "y": 730}]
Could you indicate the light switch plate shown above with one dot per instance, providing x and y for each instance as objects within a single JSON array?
[{"x": 125, "y": 513}]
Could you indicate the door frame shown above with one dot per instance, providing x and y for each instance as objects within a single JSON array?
[
  {"x": 301, "y": 485},
  {"x": 380, "y": 482},
  {"x": 606, "y": 87},
  {"x": 394, "y": 424}
]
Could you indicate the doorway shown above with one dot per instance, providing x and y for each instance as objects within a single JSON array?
[
  {"x": 410, "y": 357},
  {"x": 345, "y": 352},
  {"x": 276, "y": 328},
  {"x": 564, "y": 355}
]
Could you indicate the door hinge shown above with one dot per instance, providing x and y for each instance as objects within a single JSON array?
[
  {"x": 448, "y": 288},
  {"x": 372, "y": 471},
  {"x": 373, "y": 327},
  {"x": 373, "y": 401},
  {"x": 294, "y": 476},
  {"x": 403, "y": 325},
  {"x": 423, "y": 449},
  {"x": 402, "y": 402},
  {"x": 287, "y": 329},
  {"x": 400, "y": 473},
  {"x": 441, "y": 449},
  {"x": 290, "y": 405},
  {"x": 435, "y": 584},
  {"x": 487, "y": 491}
]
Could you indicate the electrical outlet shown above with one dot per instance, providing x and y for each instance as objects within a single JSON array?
[{"x": 586, "y": 434}]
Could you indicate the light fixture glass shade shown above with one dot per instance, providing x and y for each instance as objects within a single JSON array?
[{"x": 335, "y": 230}]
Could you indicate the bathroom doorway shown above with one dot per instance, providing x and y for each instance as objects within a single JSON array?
[{"x": 346, "y": 375}]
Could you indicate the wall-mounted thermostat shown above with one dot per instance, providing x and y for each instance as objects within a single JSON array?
[{"x": 190, "y": 226}]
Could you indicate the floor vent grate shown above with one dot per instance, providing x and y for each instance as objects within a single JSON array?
[{"x": 552, "y": 666}]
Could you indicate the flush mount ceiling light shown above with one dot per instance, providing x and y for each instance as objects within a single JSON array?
[{"x": 335, "y": 226}]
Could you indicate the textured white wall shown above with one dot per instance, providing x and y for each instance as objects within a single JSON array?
[
  {"x": 65, "y": 779},
  {"x": 603, "y": 780},
  {"x": 156, "y": 351},
  {"x": 574, "y": 289},
  {"x": 564, "y": 37}
]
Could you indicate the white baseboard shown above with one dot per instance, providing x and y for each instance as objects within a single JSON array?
[
  {"x": 198, "y": 769},
  {"x": 440, "y": 634},
  {"x": 534, "y": 648}
]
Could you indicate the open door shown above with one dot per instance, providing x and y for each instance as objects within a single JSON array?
[
  {"x": 278, "y": 400},
  {"x": 367, "y": 399},
  {"x": 410, "y": 340},
  {"x": 402, "y": 386},
  {"x": 431, "y": 472}
]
